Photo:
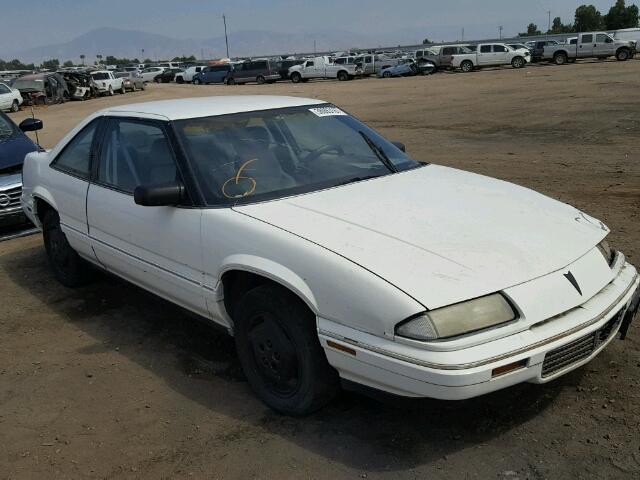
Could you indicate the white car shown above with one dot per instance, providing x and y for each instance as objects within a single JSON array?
[
  {"x": 491, "y": 55},
  {"x": 148, "y": 74},
  {"x": 188, "y": 74},
  {"x": 107, "y": 82},
  {"x": 10, "y": 99},
  {"x": 328, "y": 252}
]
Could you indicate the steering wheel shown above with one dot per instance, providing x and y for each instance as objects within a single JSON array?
[{"x": 313, "y": 154}]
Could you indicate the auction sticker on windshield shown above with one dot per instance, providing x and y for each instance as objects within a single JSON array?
[{"x": 327, "y": 111}]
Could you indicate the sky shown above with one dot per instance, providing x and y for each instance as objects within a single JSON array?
[{"x": 56, "y": 21}]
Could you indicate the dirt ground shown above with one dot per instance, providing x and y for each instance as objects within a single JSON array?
[{"x": 108, "y": 381}]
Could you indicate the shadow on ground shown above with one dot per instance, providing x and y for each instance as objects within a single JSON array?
[{"x": 354, "y": 430}]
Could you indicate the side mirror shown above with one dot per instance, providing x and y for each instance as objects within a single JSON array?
[
  {"x": 400, "y": 146},
  {"x": 30, "y": 125},
  {"x": 161, "y": 195}
]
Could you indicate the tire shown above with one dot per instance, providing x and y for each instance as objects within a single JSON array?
[
  {"x": 386, "y": 75},
  {"x": 123, "y": 90},
  {"x": 133, "y": 87},
  {"x": 296, "y": 77},
  {"x": 261, "y": 80},
  {"x": 68, "y": 268},
  {"x": 110, "y": 91},
  {"x": 518, "y": 62},
  {"x": 622, "y": 55},
  {"x": 560, "y": 58},
  {"x": 179, "y": 80},
  {"x": 15, "y": 106},
  {"x": 144, "y": 85},
  {"x": 197, "y": 81},
  {"x": 278, "y": 347},
  {"x": 231, "y": 81},
  {"x": 343, "y": 76},
  {"x": 466, "y": 66}
]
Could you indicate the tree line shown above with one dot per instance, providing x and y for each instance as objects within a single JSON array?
[
  {"x": 54, "y": 63},
  {"x": 587, "y": 18}
]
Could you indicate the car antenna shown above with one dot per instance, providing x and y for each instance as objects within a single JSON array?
[{"x": 33, "y": 116}]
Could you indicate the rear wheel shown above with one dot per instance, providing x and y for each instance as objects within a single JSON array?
[
  {"x": 231, "y": 81},
  {"x": 179, "y": 80},
  {"x": 261, "y": 80},
  {"x": 110, "y": 91},
  {"x": 518, "y": 62},
  {"x": 68, "y": 268},
  {"x": 15, "y": 106},
  {"x": 123, "y": 90},
  {"x": 560, "y": 58},
  {"x": 466, "y": 66},
  {"x": 277, "y": 343},
  {"x": 386, "y": 74},
  {"x": 343, "y": 76}
]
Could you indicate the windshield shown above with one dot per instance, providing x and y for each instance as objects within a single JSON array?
[
  {"x": 100, "y": 76},
  {"x": 21, "y": 84},
  {"x": 256, "y": 156},
  {"x": 7, "y": 129}
]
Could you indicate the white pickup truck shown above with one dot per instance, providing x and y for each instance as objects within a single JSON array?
[
  {"x": 322, "y": 67},
  {"x": 491, "y": 55},
  {"x": 107, "y": 82},
  {"x": 589, "y": 45}
]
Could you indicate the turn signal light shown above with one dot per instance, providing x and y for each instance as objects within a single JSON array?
[
  {"x": 510, "y": 367},
  {"x": 342, "y": 348}
]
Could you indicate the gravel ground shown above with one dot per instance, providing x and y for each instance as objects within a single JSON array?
[{"x": 108, "y": 381}]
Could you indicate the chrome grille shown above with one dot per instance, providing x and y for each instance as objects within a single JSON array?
[
  {"x": 14, "y": 197},
  {"x": 579, "y": 349}
]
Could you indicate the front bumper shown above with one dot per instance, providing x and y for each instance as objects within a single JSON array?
[
  {"x": 543, "y": 353},
  {"x": 11, "y": 213}
]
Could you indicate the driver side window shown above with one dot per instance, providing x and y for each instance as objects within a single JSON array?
[
  {"x": 75, "y": 158},
  {"x": 135, "y": 153}
]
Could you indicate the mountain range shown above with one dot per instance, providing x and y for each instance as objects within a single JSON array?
[{"x": 130, "y": 44}]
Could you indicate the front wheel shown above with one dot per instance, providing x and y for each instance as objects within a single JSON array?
[
  {"x": 123, "y": 90},
  {"x": 560, "y": 59},
  {"x": 343, "y": 76},
  {"x": 518, "y": 62},
  {"x": 15, "y": 106},
  {"x": 622, "y": 55},
  {"x": 277, "y": 343},
  {"x": 466, "y": 66},
  {"x": 110, "y": 92},
  {"x": 231, "y": 81},
  {"x": 68, "y": 268},
  {"x": 296, "y": 77},
  {"x": 261, "y": 80},
  {"x": 386, "y": 75}
]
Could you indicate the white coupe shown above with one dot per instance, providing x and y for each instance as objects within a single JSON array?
[{"x": 327, "y": 252}]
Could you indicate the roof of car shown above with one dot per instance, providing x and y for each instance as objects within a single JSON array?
[{"x": 210, "y": 106}]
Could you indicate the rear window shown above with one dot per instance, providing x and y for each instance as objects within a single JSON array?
[
  {"x": 100, "y": 76},
  {"x": 587, "y": 39},
  {"x": 485, "y": 49},
  {"x": 262, "y": 65}
]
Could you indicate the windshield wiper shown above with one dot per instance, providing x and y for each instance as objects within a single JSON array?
[
  {"x": 379, "y": 152},
  {"x": 357, "y": 179}
]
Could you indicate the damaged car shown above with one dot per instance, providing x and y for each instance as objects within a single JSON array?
[
  {"x": 327, "y": 251},
  {"x": 42, "y": 88},
  {"x": 80, "y": 84}
]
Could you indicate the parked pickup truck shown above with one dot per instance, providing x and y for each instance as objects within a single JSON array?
[
  {"x": 589, "y": 45},
  {"x": 322, "y": 67},
  {"x": 489, "y": 55},
  {"x": 107, "y": 82},
  {"x": 372, "y": 64}
]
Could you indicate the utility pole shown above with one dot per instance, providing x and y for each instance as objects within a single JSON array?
[
  {"x": 549, "y": 12},
  {"x": 226, "y": 39},
  {"x": 314, "y": 46},
  {"x": 462, "y": 39},
  {"x": 500, "y": 30}
]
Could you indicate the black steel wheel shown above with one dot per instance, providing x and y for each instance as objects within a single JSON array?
[{"x": 278, "y": 347}]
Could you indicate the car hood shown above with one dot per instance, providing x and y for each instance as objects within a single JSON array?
[
  {"x": 14, "y": 149},
  {"x": 439, "y": 234}
]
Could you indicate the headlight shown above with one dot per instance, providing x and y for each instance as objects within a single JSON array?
[
  {"x": 607, "y": 252},
  {"x": 465, "y": 317}
]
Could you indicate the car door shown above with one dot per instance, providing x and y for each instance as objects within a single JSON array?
[
  {"x": 603, "y": 45},
  {"x": 500, "y": 53},
  {"x": 485, "y": 55},
  {"x": 157, "y": 248},
  {"x": 69, "y": 178},
  {"x": 585, "y": 47},
  {"x": 6, "y": 97}
]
